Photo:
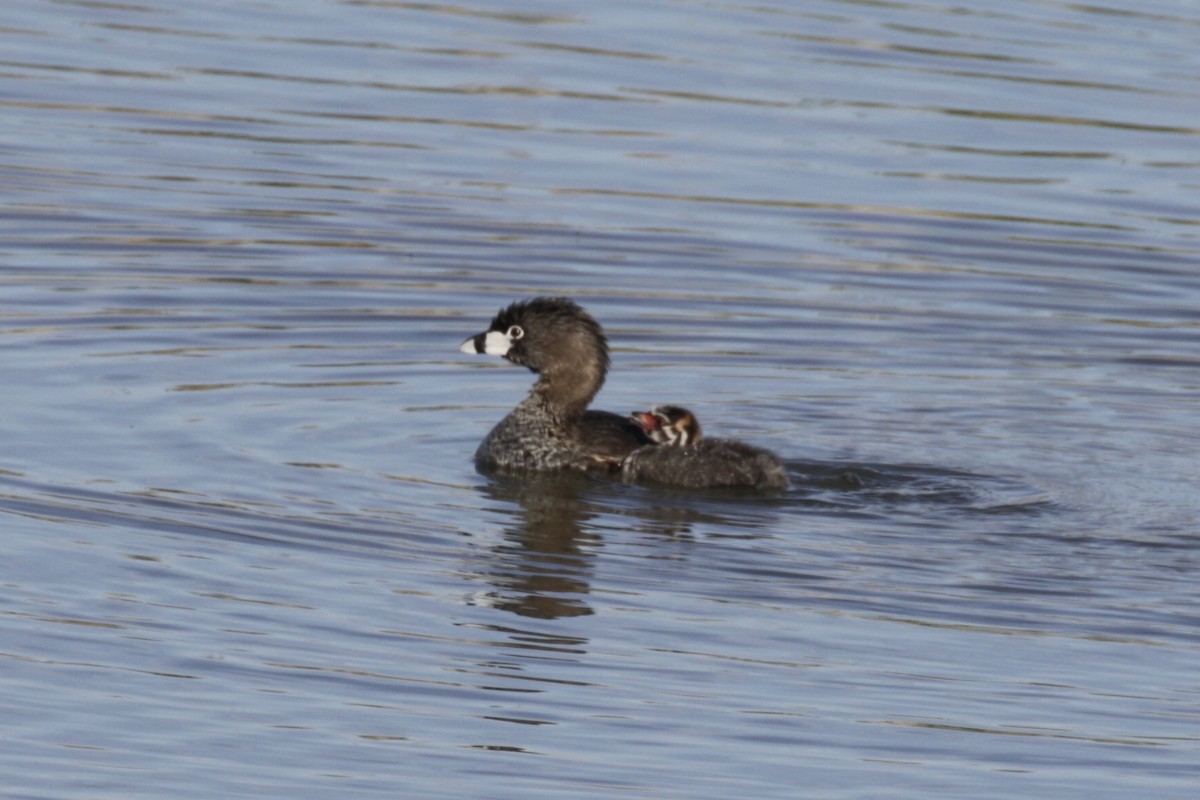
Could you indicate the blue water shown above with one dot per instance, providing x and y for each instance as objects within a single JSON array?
[{"x": 950, "y": 248}]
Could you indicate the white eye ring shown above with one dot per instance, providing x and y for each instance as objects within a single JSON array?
[{"x": 515, "y": 332}]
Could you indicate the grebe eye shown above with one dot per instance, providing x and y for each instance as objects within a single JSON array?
[{"x": 515, "y": 332}]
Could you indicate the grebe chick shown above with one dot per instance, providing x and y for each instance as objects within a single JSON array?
[
  {"x": 674, "y": 426},
  {"x": 681, "y": 456},
  {"x": 552, "y": 428}
]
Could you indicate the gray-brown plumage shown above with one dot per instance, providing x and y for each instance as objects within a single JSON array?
[
  {"x": 552, "y": 427},
  {"x": 680, "y": 456}
]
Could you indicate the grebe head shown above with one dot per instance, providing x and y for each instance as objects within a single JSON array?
[
  {"x": 673, "y": 426},
  {"x": 555, "y": 338},
  {"x": 544, "y": 334}
]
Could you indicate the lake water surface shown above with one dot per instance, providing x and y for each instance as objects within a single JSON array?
[{"x": 952, "y": 248}]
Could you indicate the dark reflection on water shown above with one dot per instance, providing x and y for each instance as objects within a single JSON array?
[
  {"x": 940, "y": 256},
  {"x": 555, "y": 524},
  {"x": 543, "y": 567}
]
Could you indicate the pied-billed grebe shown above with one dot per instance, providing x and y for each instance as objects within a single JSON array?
[
  {"x": 551, "y": 428},
  {"x": 681, "y": 456}
]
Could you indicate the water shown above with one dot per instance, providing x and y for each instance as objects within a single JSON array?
[{"x": 949, "y": 248}]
